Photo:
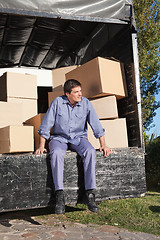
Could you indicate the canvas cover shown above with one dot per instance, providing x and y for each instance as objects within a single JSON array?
[{"x": 76, "y": 8}]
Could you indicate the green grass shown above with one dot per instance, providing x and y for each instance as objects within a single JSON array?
[{"x": 134, "y": 214}]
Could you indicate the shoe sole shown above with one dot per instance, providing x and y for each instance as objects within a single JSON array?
[{"x": 94, "y": 210}]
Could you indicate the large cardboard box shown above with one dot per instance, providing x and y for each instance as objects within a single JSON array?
[
  {"x": 29, "y": 106},
  {"x": 10, "y": 114},
  {"x": 36, "y": 122},
  {"x": 53, "y": 95},
  {"x": 58, "y": 77},
  {"x": 106, "y": 107},
  {"x": 115, "y": 134},
  {"x": 16, "y": 139},
  {"x": 18, "y": 85},
  {"x": 100, "y": 77}
]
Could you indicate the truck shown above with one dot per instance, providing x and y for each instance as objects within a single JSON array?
[{"x": 52, "y": 34}]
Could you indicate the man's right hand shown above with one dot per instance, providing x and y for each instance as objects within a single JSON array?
[{"x": 40, "y": 150}]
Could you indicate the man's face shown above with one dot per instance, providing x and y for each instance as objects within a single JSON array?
[{"x": 75, "y": 95}]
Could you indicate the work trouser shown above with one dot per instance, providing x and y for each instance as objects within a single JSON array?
[{"x": 87, "y": 153}]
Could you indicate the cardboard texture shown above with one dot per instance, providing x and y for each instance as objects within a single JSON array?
[
  {"x": 53, "y": 95},
  {"x": 106, "y": 107},
  {"x": 36, "y": 122},
  {"x": 100, "y": 77},
  {"x": 16, "y": 139},
  {"x": 115, "y": 134},
  {"x": 10, "y": 114},
  {"x": 18, "y": 85},
  {"x": 29, "y": 107},
  {"x": 58, "y": 77}
]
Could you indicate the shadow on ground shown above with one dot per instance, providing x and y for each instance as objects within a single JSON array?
[{"x": 27, "y": 215}]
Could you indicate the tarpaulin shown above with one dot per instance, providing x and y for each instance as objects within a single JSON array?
[{"x": 68, "y": 8}]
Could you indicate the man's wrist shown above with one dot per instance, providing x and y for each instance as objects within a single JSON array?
[{"x": 103, "y": 145}]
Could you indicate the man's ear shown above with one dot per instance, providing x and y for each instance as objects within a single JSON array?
[{"x": 67, "y": 94}]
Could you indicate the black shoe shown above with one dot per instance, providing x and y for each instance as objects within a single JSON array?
[
  {"x": 91, "y": 201},
  {"x": 60, "y": 203}
]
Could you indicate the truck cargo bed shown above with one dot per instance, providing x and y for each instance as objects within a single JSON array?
[{"x": 26, "y": 179}]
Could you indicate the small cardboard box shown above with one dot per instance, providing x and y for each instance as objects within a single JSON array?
[
  {"x": 106, "y": 107},
  {"x": 29, "y": 106},
  {"x": 10, "y": 114},
  {"x": 115, "y": 134},
  {"x": 100, "y": 77},
  {"x": 18, "y": 85},
  {"x": 53, "y": 95},
  {"x": 36, "y": 122},
  {"x": 16, "y": 139},
  {"x": 58, "y": 77}
]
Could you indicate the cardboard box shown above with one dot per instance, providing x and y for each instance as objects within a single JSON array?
[
  {"x": 100, "y": 77},
  {"x": 36, "y": 122},
  {"x": 53, "y": 95},
  {"x": 106, "y": 107},
  {"x": 18, "y": 85},
  {"x": 16, "y": 139},
  {"x": 29, "y": 107},
  {"x": 58, "y": 77},
  {"x": 115, "y": 134},
  {"x": 10, "y": 114}
]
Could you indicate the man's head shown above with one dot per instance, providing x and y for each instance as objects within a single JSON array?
[
  {"x": 72, "y": 89},
  {"x": 69, "y": 84}
]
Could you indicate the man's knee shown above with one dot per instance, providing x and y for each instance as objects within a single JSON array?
[
  {"x": 58, "y": 152},
  {"x": 91, "y": 150}
]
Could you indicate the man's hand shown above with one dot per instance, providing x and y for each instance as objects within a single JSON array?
[
  {"x": 106, "y": 150},
  {"x": 40, "y": 150}
]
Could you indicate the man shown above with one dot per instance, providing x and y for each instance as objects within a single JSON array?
[{"x": 65, "y": 125}]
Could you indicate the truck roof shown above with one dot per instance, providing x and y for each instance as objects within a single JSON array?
[{"x": 54, "y": 33}]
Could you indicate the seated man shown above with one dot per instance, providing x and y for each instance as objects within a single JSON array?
[{"x": 65, "y": 125}]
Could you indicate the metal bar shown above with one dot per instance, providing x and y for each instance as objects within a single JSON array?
[
  {"x": 137, "y": 83},
  {"x": 68, "y": 17}
]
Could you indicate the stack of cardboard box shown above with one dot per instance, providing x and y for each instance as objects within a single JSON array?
[
  {"x": 18, "y": 102},
  {"x": 115, "y": 128},
  {"x": 103, "y": 82}
]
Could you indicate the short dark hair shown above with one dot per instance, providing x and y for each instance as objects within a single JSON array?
[{"x": 69, "y": 84}]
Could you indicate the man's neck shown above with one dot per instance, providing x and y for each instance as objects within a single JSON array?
[{"x": 72, "y": 103}]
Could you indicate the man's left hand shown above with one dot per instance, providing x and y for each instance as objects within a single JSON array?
[{"x": 106, "y": 150}]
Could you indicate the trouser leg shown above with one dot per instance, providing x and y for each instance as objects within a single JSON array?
[
  {"x": 57, "y": 154},
  {"x": 88, "y": 154}
]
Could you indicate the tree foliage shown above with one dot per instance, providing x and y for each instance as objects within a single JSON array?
[
  {"x": 147, "y": 15},
  {"x": 153, "y": 163}
]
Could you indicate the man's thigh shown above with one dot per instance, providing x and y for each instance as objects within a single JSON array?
[
  {"x": 55, "y": 145},
  {"x": 82, "y": 148}
]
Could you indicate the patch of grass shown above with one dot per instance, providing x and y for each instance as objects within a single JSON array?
[{"x": 134, "y": 214}]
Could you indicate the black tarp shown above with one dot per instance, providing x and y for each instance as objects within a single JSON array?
[{"x": 55, "y": 33}]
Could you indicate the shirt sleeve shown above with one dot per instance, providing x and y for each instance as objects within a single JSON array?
[
  {"x": 48, "y": 120},
  {"x": 94, "y": 122}
]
